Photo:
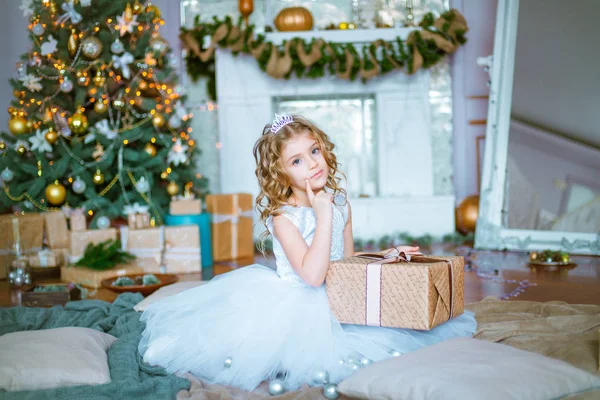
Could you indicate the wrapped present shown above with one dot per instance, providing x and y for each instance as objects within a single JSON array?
[
  {"x": 93, "y": 278},
  {"x": 189, "y": 206},
  {"x": 77, "y": 218},
  {"x": 138, "y": 216},
  {"x": 232, "y": 225},
  {"x": 393, "y": 290},
  {"x": 56, "y": 230},
  {"x": 46, "y": 258},
  {"x": 172, "y": 249},
  {"x": 80, "y": 240},
  {"x": 203, "y": 222},
  {"x": 25, "y": 232}
]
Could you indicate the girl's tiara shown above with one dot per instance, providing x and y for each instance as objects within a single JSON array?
[{"x": 280, "y": 121}]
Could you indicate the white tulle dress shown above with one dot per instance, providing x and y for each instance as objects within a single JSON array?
[{"x": 255, "y": 323}]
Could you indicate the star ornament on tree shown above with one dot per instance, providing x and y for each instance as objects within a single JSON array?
[
  {"x": 177, "y": 154},
  {"x": 125, "y": 24},
  {"x": 39, "y": 142}
]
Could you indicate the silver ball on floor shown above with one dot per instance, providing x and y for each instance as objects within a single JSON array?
[
  {"x": 330, "y": 391},
  {"x": 320, "y": 377},
  {"x": 276, "y": 387},
  {"x": 395, "y": 353},
  {"x": 227, "y": 363}
]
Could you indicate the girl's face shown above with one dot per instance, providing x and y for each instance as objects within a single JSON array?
[{"x": 302, "y": 159}]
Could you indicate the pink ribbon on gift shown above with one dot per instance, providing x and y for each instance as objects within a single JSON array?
[{"x": 374, "y": 279}]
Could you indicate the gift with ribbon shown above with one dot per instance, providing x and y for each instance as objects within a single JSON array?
[
  {"x": 165, "y": 250},
  {"x": 232, "y": 225},
  {"x": 56, "y": 232},
  {"x": 19, "y": 233},
  {"x": 46, "y": 258},
  {"x": 138, "y": 216},
  {"x": 185, "y": 206},
  {"x": 393, "y": 289},
  {"x": 203, "y": 222},
  {"x": 93, "y": 278},
  {"x": 77, "y": 218},
  {"x": 80, "y": 239}
]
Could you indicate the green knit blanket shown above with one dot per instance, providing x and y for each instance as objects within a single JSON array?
[{"x": 131, "y": 378}]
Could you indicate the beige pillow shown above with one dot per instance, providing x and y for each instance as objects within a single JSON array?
[
  {"x": 468, "y": 369},
  {"x": 50, "y": 358},
  {"x": 166, "y": 291}
]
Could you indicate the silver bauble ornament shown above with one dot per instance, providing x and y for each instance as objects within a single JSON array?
[
  {"x": 103, "y": 222},
  {"x": 38, "y": 30},
  {"x": 330, "y": 391},
  {"x": 79, "y": 186},
  {"x": 117, "y": 47},
  {"x": 66, "y": 86},
  {"x": 276, "y": 387},
  {"x": 142, "y": 185},
  {"x": 27, "y": 279},
  {"x": 227, "y": 363},
  {"x": 91, "y": 47},
  {"x": 174, "y": 122},
  {"x": 7, "y": 175},
  {"x": 321, "y": 377}
]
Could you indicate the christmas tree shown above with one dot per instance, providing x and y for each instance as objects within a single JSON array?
[{"x": 97, "y": 121}]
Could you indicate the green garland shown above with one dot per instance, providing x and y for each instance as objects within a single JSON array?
[
  {"x": 104, "y": 256},
  {"x": 423, "y": 48}
]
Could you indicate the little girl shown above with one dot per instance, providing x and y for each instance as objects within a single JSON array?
[{"x": 254, "y": 323}]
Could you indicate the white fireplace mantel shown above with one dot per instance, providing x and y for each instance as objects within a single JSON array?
[{"x": 406, "y": 202}]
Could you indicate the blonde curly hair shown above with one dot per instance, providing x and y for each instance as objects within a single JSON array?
[{"x": 275, "y": 185}]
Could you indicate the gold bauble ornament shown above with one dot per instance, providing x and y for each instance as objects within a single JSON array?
[
  {"x": 467, "y": 213},
  {"x": 150, "y": 149},
  {"x": 91, "y": 47},
  {"x": 17, "y": 125},
  {"x": 100, "y": 107},
  {"x": 98, "y": 177},
  {"x": 73, "y": 43},
  {"x": 17, "y": 93},
  {"x": 56, "y": 194},
  {"x": 152, "y": 9},
  {"x": 172, "y": 188},
  {"x": 99, "y": 79},
  {"x": 78, "y": 123},
  {"x": 158, "y": 120},
  {"x": 21, "y": 150},
  {"x": 51, "y": 136},
  {"x": 137, "y": 7},
  {"x": 2, "y": 146},
  {"x": 164, "y": 175}
]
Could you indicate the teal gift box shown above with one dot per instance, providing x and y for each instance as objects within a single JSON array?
[{"x": 203, "y": 222}]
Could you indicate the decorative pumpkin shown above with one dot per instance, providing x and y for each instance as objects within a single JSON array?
[{"x": 294, "y": 19}]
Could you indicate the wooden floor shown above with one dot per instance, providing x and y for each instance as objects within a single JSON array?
[{"x": 488, "y": 273}]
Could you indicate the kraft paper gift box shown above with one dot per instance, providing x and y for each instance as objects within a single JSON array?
[
  {"x": 232, "y": 225},
  {"x": 46, "y": 258},
  {"x": 56, "y": 232},
  {"x": 384, "y": 289},
  {"x": 171, "y": 249},
  {"x": 27, "y": 230},
  {"x": 79, "y": 240},
  {"x": 185, "y": 206},
  {"x": 138, "y": 216},
  {"x": 93, "y": 278}
]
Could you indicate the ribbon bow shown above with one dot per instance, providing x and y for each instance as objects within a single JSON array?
[
  {"x": 123, "y": 63},
  {"x": 70, "y": 13},
  {"x": 135, "y": 208},
  {"x": 68, "y": 211}
]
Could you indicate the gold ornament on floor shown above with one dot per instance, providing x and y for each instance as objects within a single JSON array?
[
  {"x": 51, "y": 136},
  {"x": 98, "y": 177},
  {"x": 467, "y": 213},
  {"x": 21, "y": 150},
  {"x": 158, "y": 120},
  {"x": 100, "y": 107},
  {"x": 150, "y": 149},
  {"x": 17, "y": 125},
  {"x": 78, "y": 123},
  {"x": 172, "y": 188},
  {"x": 91, "y": 47},
  {"x": 99, "y": 79},
  {"x": 73, "y": 43},
  {"x": 56, "y": 194}
]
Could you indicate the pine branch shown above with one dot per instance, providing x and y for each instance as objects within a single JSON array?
[{"x": 103, "y": 256}]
